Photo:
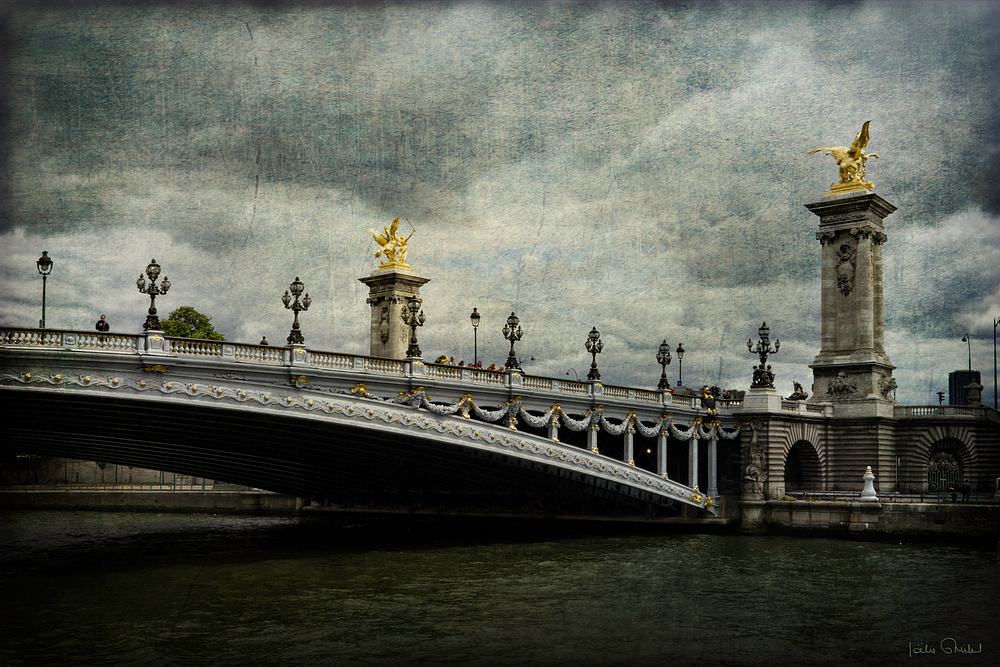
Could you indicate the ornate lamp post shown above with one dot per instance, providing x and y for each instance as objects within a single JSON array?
[
  {"x": 413, "y": 320},
  {"x": 153, "y": 272},
  {"x": 292, "y": 302},
  {"x": 512, "y": 331},
  {"x": 475, "y": 317},
  {"x": 763, "y": 378},
  {"x": 663, "y": 358},
  {"x": 680, "y": 365},
  {"x": 44, "y": 265},
  {"x": 594, "y": 346}
]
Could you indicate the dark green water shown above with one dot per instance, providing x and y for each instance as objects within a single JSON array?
[{"x": 93, "y": 588}]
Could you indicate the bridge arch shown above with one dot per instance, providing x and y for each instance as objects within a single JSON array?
[
  {"x": 943, "y": 453},
  {"x": 323, "y": 424},
  {"x": 350, "y": 450},
  {"x": 803, "y": 470},
  {"x": 947, "y": 460},
  {"x": 803, "y": 457}
]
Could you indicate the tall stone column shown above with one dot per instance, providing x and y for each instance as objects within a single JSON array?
[
  {"x": 693, "y": 460},
  {"x": 661, "y": 449},
  {"x": 713, "y": 463},
  {"x": 852, "y": 364},
  {"x": 389, "y": 290}
]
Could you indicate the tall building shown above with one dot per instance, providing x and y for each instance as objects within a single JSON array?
[{"x": 957, "y": 380}]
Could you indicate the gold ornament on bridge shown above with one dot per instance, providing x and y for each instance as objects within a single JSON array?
[
  {"x": 851, "y": 161},
  {"x": 393, "y": 246}
]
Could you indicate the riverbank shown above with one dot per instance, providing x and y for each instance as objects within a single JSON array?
[
  {"x": 838, "y": 519},
  {"x": 148, "y": 500},
  {"x": 873, "y": 520}
]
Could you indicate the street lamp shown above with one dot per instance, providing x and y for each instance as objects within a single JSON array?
[
  {"x": 575, "y": 374},
  {"x": 594, "y": 346},
  {"x": 680, "y": 366},
  {"x": 763, "y": 378},
  {"x": 512, "y": 331},
  {"x": 968, "y": 339},
  {"x": 475, "y": 317},
  {"x": 663, "y": 358},
  {"x": 292, "y": 302},
  {"x": 44, "y": 264},
  {"x": 413, "y": 320},
  {"x": 153, "y": 272}
]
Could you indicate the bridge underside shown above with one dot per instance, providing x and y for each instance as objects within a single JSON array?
[{"x": 344, "y": 464}]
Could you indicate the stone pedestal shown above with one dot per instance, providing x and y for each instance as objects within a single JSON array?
[
  {"x": 974, "y": 393},
  {"x": 389, "y": 290},
  {"x": 762, "y": 399},
  {"x": 156, "y": 342},
  {"x": 852, "y": 364}
]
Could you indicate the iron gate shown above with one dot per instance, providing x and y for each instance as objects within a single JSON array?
[{"x": 942, "y": 470}]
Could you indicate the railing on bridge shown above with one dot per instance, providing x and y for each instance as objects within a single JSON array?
[
  {"x": 947, "y": 411},
  {"x": 282, "y": 356},
  {"x": 893, "y": 497}
]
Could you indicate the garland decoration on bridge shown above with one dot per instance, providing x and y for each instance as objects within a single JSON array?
[
  {"x": 685, "y": 434},
  {"x": 728, "y": 433},
  {"x": 555, "y": 416}
]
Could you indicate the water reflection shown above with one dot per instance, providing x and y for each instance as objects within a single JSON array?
[{"x": 98, "y": 588}]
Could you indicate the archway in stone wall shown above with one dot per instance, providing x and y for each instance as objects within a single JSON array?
[
  {"x": 802, "y": 468},
  {"x": 944, "y": 464}
]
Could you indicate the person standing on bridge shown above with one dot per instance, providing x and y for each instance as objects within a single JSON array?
[{"x": 102, "y": 324}]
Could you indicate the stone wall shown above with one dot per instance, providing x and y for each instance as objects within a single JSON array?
[
  {"x": 158, "y": 501},
  {"x": 49, "y": 470},
  {"x": 915, "y": 520}
]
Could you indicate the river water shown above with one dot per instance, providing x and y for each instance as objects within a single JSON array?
[{"x": 99, "y": 588}]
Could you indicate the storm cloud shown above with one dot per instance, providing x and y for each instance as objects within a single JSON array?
[{"x": 638, "y": 167}]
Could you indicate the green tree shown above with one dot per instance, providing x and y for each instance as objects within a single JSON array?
[{"x": 186, "y": 322}]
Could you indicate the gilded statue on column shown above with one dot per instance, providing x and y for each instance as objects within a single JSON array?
[
  {"x": 851, "y": 160},
  {"x": 392, "y": 246}
]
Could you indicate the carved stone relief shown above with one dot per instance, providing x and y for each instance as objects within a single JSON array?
[
  {"x": 753, "y": 461},
  {"x": 886, "y": 386},
  {"x": 847, "y": 255},
  {"x": 842, "y": 386},
  {"x": 383, "y": 324}
]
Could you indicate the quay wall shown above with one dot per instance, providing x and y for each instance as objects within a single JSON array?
[
  {"x": 961, "y": 522},
  {"x": 848, "y": 519},
  {"x": 159, "y": 501}
]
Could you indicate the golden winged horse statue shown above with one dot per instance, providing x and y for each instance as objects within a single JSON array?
[
  {"x": 392, "y": 245},
  {"x": 851, "y": 160}
]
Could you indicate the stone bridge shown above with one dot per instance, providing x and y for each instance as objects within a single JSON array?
[{"x": 360, "y": 430}]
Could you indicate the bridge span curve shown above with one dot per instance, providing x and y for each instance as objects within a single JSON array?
[{"x": 362, "y": 433}]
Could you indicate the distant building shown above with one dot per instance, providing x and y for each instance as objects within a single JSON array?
[{"x": 956, "y": 386}]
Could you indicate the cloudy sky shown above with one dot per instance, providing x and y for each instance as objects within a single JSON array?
[{"x": 638, "y": 167}]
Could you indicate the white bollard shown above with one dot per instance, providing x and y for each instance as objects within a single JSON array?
[{"x": 868, "y": 495}]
